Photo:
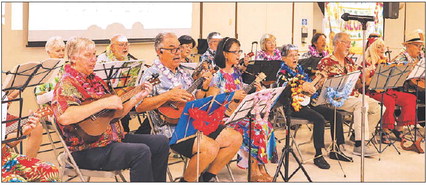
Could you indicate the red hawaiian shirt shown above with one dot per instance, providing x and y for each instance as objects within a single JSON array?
[
  {"x": 73, "y": 89},
  {"x": 332, "y": 67}
]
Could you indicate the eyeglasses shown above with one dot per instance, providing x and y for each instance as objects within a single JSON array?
[
  {"x": 417, "y": 45},
  {"x": 123, "y": 44},
  {"x": 345, "y": 42},
  {"x": 172, "y": 50},
  {"x": 235, "y": 52}
]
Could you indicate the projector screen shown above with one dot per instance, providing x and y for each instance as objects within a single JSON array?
[{"x": 100, "y": 21}]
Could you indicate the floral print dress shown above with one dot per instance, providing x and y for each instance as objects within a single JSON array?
[{"x": 263, "y": 140}]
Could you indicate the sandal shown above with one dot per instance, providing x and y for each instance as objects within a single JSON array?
[
  {"x": 385, "y": 138},
  {"x": 398, "y": 134}
]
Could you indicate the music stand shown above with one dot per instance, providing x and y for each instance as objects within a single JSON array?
[
  {"x": 26, "y": 75},
  {"x": 417, "y": 73},
  {"x": 337, "y": 83},
  {"x": 120, "y": 74},
  {"x": 245, "y": 109},
  {"x": 387, "y": 77},
  {"x": 270, "y": 68},
  {"x": 185, "y": 128}
]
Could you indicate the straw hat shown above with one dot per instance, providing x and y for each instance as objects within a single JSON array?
[{"x": 415, "y": 36}]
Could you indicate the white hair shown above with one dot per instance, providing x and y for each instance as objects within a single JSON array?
[{"x": 54, "y": 42}]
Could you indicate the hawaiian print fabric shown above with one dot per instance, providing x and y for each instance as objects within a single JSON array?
[
  {"x": 20, "y": 168},
  {"x": 314, "y": 53},
  {"x": 73, "y": 89},
  {"x": 262, "y": 55},
  {"x": 261, "y": 133}
]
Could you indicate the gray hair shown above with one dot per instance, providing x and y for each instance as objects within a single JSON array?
[
  {"x": 76, "y": 44},
  {"x": 54, "y": 42},
  {"x": 286, "y": 48},
  {"x": 338, "y": 37},
  {"x": 158, "y": 41},
  {"x": 264, "y": 38},
  {"x": 211, "y": 35}
]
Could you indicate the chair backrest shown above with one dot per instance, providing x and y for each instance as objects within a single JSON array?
[
  {"x": 65, "y": 158},
  {"x": 69, "y": 167}
]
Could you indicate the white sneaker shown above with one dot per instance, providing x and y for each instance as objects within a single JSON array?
[{"x": 368, "y": 151}]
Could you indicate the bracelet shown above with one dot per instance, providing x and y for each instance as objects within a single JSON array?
[{"x": 205, "y": 90}]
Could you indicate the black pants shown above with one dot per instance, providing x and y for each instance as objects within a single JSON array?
[
  {"x": 318, "y": 115},
  {"x": 145, "y": 155},
  {"x": 328, "y": 114}
]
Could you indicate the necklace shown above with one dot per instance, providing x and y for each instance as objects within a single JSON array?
[{"x": 171, "y": 77}]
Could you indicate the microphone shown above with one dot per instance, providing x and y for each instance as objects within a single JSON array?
[
  {"x": 388, "y": 51},
  {"x": 361, "y": 18}
]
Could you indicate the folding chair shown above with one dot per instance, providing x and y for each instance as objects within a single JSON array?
[
  {"x": 279, "y": 120},
  {"x": 68, "y": 166}
]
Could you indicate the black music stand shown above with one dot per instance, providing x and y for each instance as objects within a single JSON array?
[
  {"x": 270, "y": 68},
  {"x": 337, "y": 83},
  {"x": 245, "y": 109},
  {"x": 26, "y": 75},
  {"x": 120, "y": 74},
  {"x": 387, "y": 77},
  {"x": 284, "y": 104}
]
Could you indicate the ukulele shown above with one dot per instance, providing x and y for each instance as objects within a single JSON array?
[
  {"x": 91, "y": 128},
  {"x": 307, "y": 96},
  {"x": 170, "y": 111},
  {"x": 234, "y": 103},
  {"x": 42, "y": 112}
]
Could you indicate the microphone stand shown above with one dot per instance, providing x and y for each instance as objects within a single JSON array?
[{"x": 364, "y": 108}]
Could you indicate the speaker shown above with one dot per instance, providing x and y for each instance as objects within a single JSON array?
[{"x": 391, "y": 10}]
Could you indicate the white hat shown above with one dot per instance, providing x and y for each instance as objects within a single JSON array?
[{"x": 415, "y": 36}]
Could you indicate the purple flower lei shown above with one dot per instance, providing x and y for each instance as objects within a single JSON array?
[
  {"x": 313, "y": 51},
  {"x": 166, "y": 72}
]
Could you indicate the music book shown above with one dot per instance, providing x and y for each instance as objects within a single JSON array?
[
  {"x": 337, "y": 83},
  {"x": 418, "y": 71},
  {"x": 121, "y": 73}
]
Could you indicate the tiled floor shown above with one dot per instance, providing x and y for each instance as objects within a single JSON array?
[{"x": 387, "y": 167}]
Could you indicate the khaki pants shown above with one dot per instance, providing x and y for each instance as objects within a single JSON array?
[{"x": 354, "y": 104}]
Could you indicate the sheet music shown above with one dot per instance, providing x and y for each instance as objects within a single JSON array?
[
  {"x": 388, "y": 76},
  {"x": 247, "y": 104},
  {"x": 121, "y": 73}
]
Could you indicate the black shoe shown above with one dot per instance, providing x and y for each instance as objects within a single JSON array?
[
  {"x": 340, "y": 156},
  {"x": 321, "y": 163}
]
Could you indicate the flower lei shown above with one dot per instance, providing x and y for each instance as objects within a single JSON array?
[
  {"x": 169, "y": 74},
  {"x": 111, "y": 55},
  {"x": 296, "y": 85},
  {"x": 313, "y": 51},
  {"x": 336, "y": 98},
  {"x": 207, "y": 122},
  {"x": 276, "y": 56}
]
